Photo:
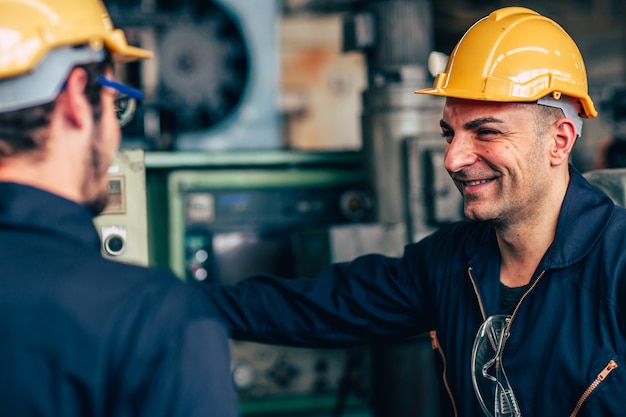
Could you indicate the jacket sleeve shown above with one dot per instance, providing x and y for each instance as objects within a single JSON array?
[
  {"x": 192, "y": 377},
  {"x": 175, "y": 360},
  {"x": 372, "y": 297}
]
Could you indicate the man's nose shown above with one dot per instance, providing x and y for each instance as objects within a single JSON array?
[{"x": 460, "y": 152}]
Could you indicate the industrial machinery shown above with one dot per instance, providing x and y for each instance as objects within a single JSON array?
[
  {"x": 217, "y": 208},
  {"x": 613, "y": 107},
  {"x": 123, "y": 225},
  {"x": 611, "y": 181},
  {"x": 214, "y": 82},
  {"x": 233, "y": 215}
]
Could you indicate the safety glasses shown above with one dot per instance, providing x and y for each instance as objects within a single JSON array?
[
  {"x": 488, "y": 377},
  {"x": 125, "y": 100}
]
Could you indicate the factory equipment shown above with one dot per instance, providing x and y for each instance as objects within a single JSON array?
[
  {"x": 613, "y": 153},
  {"x": 256, "y": 216},
  {"x": 214, "y": 81},
  {"x": 234, "y": 215},
  {"x": 123, "y": 225},
  {"x": 399, "y": 127},
  {"x": 612, "y": 182},
  {"x": 432, "y": 198}
]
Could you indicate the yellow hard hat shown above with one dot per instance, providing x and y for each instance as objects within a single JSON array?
[
  {"x": 42, "y": 40},
  {"x": 515, "y": 55},
  {"x": 30, "y": 29}
]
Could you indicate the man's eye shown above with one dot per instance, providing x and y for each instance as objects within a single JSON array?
[
  {"x": 447, "y": 135},
  {"x": 487, "y": 132}
]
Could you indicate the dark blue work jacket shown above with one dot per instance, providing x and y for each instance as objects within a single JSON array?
[
  {"x": 84, "y": 336},
  {"x": 566, "y": 351}
]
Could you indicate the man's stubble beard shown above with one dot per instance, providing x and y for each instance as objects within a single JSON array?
[{"x": 94, "y": 175}]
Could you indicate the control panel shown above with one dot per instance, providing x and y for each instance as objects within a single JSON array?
[
  {"x": 229, "y": 224},
  {"x": 262, "y": 226},
  {"x": 123, "y": 224}
]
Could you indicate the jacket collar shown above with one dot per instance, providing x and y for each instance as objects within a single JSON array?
[
  {"x": 26, "y": 207},
  {"x": 584, "y": 216}
]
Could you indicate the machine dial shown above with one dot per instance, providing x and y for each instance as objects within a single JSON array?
[{"x": 244, "y": 375}]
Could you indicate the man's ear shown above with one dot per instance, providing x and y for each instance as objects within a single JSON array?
[
  {"x": 564, "y": 138},
  {"x": 72, "y": 102}
]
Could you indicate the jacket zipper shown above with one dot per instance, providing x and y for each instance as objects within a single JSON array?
[
  {"x": 524, "y": 296},
  {"x": 435, "y": 344},
  {"x": 601, "y": 377},
  {"x": 480, "y": 303}
]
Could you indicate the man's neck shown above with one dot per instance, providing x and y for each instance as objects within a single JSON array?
[
  {"x": 40, "y": 174},
  {"x": 522, "y": 247},
  {"x": 523, "y": 244},
  {"x": 519, "y": 260}
]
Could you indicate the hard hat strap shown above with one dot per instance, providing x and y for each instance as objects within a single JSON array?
[{"x": 570, "y": 106}]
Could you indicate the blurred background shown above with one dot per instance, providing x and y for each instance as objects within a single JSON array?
[{"x": 282, "y": 135}]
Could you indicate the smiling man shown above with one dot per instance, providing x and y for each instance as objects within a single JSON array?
[
  {"x": 526, "y": 299},
  {"x": 510, "y": 162}
]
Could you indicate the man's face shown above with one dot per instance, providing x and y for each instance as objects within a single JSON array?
[
  {"x": 496, "y": 159},
  {"x": 105, "y": 142}
]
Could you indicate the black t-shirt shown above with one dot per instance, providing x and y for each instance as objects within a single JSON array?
[{"x": 510, "y": 296}]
